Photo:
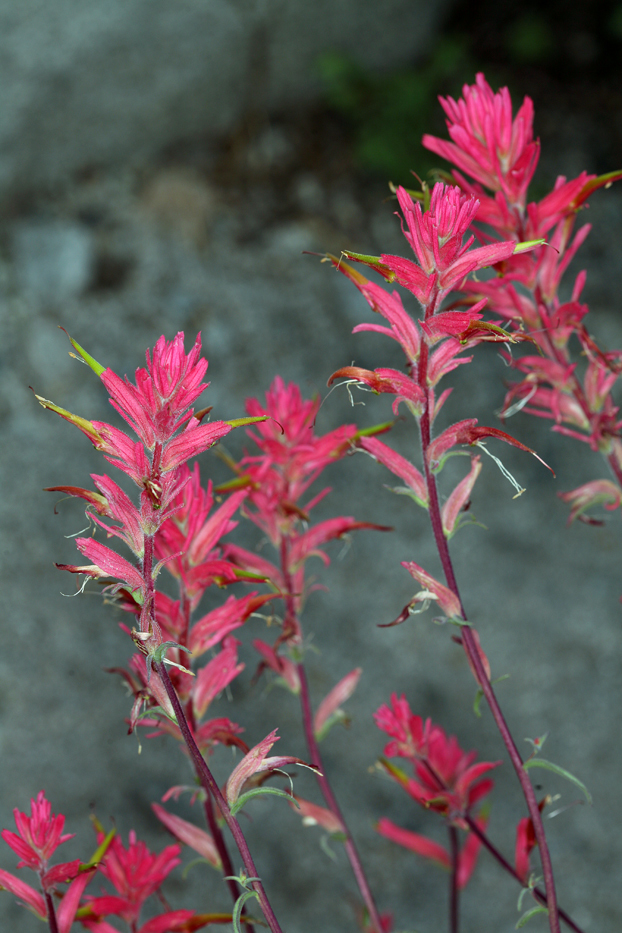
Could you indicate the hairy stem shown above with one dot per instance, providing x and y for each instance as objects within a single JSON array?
[
  {"x": 331, "y": 802},
  {"x": 471, "y": 649},
  {"x": 209, "y": 783},
  {"x": 315, "y": 756},
  {"x": 538, "y": 893},
  {"x": 225, "y": 858}
]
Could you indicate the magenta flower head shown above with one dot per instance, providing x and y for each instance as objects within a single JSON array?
[
  {"x": 38, "y": 836},
  {"x": 447, "y": 780},
  {"x": 135, "y": 873},
  {"x": 487, "y": 144}
]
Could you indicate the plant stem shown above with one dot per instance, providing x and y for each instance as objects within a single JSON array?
[
  {"x": 209, "y": 783},
  {"x": 292, "y": 622},
  {"x": 225, "y": 858},
  {"x": 538, "y": 893},
  {"x": 454, "y": 906},
  {"x": 331, "y": 801},
  {"x": 471, "y": 649},
  {"x": 49, "y": 903}
]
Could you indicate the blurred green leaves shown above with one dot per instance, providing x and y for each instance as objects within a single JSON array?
[{"x": 389, "y": 113}]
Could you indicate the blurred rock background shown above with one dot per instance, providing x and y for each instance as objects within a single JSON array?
[{"x": 162, "y": 167}]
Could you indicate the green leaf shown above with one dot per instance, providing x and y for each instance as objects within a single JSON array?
[
  {"x": 239, "y": 905},
  {"x": 549, "y": 766},
  {"x": 258, "y": 792},
  {"x": 148, "y": 713},
  {"x": 530, "y": 913},
  {"x": 480, "y": 693}
]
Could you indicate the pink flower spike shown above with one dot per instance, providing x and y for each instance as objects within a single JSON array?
[
  {"x": 136, "y": 873},
  {"x": 156, "y": 406},
  {"x": 31, "y": 899},
  {"x": 190, "y": 835},
  {"x": 39, "y": 834},
  {"x": 410, "y": 733},
  {"x": 329, "y": 712},
  {"x": 488, "y": 145}
]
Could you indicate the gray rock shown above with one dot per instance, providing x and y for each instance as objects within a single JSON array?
[{"x": 85, "y": 84}]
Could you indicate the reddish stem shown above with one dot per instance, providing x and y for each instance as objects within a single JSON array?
[
  {"x": 454, "y": 902},
  {"x": 472, "y": 652},
  {"x": 538, "y": 893},
  {"x": 208, "y": 782},
  {"x": 49, "y": 903},
  {"x": 316, "y": 758}
]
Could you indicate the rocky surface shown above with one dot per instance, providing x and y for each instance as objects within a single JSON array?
[{"x": 112, "y": 82}]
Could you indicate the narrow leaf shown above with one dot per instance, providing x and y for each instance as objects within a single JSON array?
[
  {"x": 530, "y": 913},
  {"x": 549, "y": 766},
  {"x": 239, "y": 905},
  {"x": 257, "y": 792}
]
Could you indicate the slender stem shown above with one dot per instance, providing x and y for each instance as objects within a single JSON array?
[
  {"x": 225, "y": 858},
  {"x": 209, "y": 783},
  {"x": 472, "y": 651},
  {"x": 454, "y": 906},
  {"x": 331, "y": 802},
  {"x": 314, "y": 750},
  {"x": 49, "y": 903},
  {"x": 538, "y": 893}
]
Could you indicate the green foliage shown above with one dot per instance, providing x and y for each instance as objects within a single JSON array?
[
  {"x": 389, "y": 113},
  {"x": 530, "y": 39}
]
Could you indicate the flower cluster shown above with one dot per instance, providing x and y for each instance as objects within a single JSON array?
[
  {"x": 494, "y": 151},
  {"x": 446, "y": 780},
  {"x": 35, "y": 842},
  {"x": 291, "y": 458}
]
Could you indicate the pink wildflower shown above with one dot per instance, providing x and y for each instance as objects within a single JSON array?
[
  {"x": 446, "y": 779},
  {"x": 487, "y": 144}
]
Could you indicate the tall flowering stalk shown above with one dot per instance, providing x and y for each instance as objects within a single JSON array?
[
  {"x": 171, "y": 526},
  {"x": 495, "y": 157},
  {"x": 433, "y": 346},
  {"x": 291, "y": 458}
]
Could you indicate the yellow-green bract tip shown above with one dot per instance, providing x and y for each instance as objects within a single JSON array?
[
  {"x": 97, "y": 368},
  {"x": 527, "y": 244},
  {"x": 242, "y": 422}
]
